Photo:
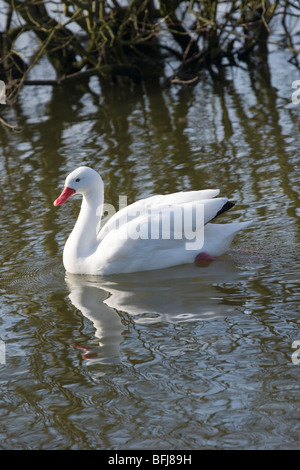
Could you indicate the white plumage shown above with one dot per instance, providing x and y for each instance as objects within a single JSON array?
[{"x": 153, "y": 233}]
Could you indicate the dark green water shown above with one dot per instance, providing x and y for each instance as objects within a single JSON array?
[{"x": 184, "y": 358}]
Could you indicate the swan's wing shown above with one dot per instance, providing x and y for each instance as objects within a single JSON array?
[
  {"x": 128, "y": 249},
  {"x": 181, "y": 197},
  {"x": 172, "y": 232},
  {"x": 157, "y": 202},
  {"x": 121, "y": 254}
]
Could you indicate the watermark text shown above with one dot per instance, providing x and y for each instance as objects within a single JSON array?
[
  {"x": 170, "y": 222},
  {"x": 296, "y": 354},
  {"x": 2, "y": 92},
  {"x": 2, "y": 352},
  {"x": 296, "y": 94}
]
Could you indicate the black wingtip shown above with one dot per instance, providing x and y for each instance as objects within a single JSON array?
[{"x": 228, "y": 205}]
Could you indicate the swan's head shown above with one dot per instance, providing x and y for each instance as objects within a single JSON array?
[{"x": 83, "y": 180}]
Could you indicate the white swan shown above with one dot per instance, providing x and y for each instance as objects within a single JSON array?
[{"x": 153, "y": 233}]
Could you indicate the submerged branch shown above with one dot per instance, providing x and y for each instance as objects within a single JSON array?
[{"x": 4, "y": 123}]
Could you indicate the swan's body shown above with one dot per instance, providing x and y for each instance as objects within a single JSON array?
[{"x": 132, "y": 240}]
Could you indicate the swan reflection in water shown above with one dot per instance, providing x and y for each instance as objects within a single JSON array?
[{"x": 184, "y": 293}]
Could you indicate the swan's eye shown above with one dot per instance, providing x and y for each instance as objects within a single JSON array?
[{"x": 77, "y": 180}]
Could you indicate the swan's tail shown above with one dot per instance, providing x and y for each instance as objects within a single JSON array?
[{"x": 218, "y": 237}]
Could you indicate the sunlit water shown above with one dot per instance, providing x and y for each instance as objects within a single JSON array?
[{"x": 184, "y": 358}]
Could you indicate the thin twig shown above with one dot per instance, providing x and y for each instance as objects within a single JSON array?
[{"x": 15, "y": 128}]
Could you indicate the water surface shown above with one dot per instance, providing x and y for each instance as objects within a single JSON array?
[{"x": 183, "y": 358}]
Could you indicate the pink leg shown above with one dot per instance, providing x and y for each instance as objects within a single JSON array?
[{"x": 203, "y": 259}]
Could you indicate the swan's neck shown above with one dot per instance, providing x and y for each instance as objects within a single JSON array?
[{"x": 83, "y": 240}]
